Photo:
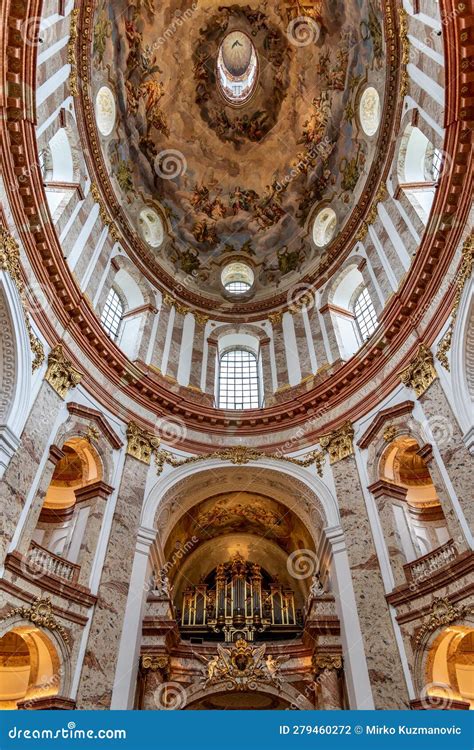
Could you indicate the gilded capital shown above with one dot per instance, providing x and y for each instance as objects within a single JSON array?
[
  {"x": 339, "y": 443},
  {"x": 61, "y": 375},
  {"x": 141, "y": 444},
  {"x": 155, "y": 663},
  {"x": 322, "y": 662},
  {"x": 275, "y": 317},
  {"x": 421, "y": 372}
]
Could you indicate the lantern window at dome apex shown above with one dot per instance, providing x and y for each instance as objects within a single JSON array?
[{"x": 239, "y": 599}]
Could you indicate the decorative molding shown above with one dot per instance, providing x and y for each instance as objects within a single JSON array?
[
  {"x": 421, "y": 372},
  {"x": 380, "y": 195},
  {"x": 405, "y": 50},
  {"x": 10, "y": 262},
  {"x": 71, "y": 53},
  {"x": 103, "y": 427},
  {"x": 339, "y": 443},
  {"x": 275, "y": 318},
  {"x": 385, "y": 415},
  {"x": 442, "y": 613},
  {"x": 141, "y": 444},
  {"x": 61, "y": 375},
  {"x": 243, "y": 666},
  {"x": 104, "y": 214},
  {"x": 323, "y": 662},
  {"x": 464, "y": 273},
  {"x": 40, "y": 613},
  {"x": 389, "y": 433},
  {"x": 239, "y": 455}
]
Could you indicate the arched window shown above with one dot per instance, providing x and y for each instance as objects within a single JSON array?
[
  {"x": 365, "y": 314},
  {"x": 239, "y": 386},
  {"x": 419, "y": 169},
  {"x": 112, "y": 314}
]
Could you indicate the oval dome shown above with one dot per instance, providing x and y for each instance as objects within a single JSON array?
[{"x": 237, "y": 67}]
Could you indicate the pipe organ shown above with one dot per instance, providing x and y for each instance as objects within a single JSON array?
[{"x": 238, "y": 599}]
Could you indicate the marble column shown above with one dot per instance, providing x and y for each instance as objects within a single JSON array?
[
  {"x": 198, "y": 352},
  {"x": 154, "y": 670},
  {"x": 279, "y": 349},
  {"x": 211, "y": 367},
  {"x": 452, "y": 521},
  {"x": 386, "y": 495},
  {"x": 330, "y": 690},
  {"x": 149, "y": 313},
  {"x": 175, "y": 345},
  {"x": 21, "y": 471},
  {"x": 449, "y": 440},
  {"x": 266, "y": 371},
  {"x": 318, "y": 341},
  {"x": 100, "y": 660},
  {"x": 330, "y": 332},
  {"x": 94, "y": 496},
  {"x": 381, "y": 651},
  {"x": 54, "y": 457},
  {"x": 302, "y": 344},
  {"x": 161, "y": 333}
]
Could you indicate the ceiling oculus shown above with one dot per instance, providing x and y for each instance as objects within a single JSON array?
[{"x": 237, "y": 67}]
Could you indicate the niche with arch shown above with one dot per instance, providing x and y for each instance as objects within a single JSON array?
[
  {"x": 62, "y": 523},
  {"x": 419, "y": 168},
  {"x": 420, "y": 520},
  {"x": 450, "y": 666},
  {"x": 30, "y": 667}
]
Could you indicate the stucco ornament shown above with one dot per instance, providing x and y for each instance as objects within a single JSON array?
[
  {"x": 243, "y": 666},
  {"x": 421, "y": 372},
  {"x": 61, "y": 375}
]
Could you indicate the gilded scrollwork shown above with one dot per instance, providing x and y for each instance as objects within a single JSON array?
[
  {"x": 323, "y": 662},
  {"x": 40, "y": 613},
  {"x": 61, "y": 375},
  {"x": 239, "y": 455},
  {"x": 339, "y": 443},
  {"x": 442, "y": 613},
  {"x": 421, "y": 372},
  {"x": 141, "y": 444},
  {"x": 10, "y": 262}
]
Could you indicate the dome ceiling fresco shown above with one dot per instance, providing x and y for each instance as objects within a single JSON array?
[{"x": 237, "y": 125}]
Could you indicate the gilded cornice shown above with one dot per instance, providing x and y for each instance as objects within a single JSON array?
[
  {"x": 10, "y": 262},
  {"x": 421, "y": 372},
  {"x": 339, "y": 443},
  {"x": 141, "y": 444},
  {"x": 61, "y": 375}
]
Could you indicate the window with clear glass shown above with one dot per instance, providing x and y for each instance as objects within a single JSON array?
[
  {"x": 365, "y": 314},
  {"x": 238, "y": 380},
  {"x": 237, "y": 287},
  {"x": 112, "y": 314}
]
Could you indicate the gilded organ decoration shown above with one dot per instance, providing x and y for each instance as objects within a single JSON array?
[
  {"x": 239, "y": 598},
  {"x": 243, "y": 666}
]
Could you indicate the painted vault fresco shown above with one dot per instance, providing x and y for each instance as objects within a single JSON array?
[{"x": 238, "y": 181}]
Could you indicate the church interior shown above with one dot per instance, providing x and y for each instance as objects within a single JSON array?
[{"x": 236, "y": 355}]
